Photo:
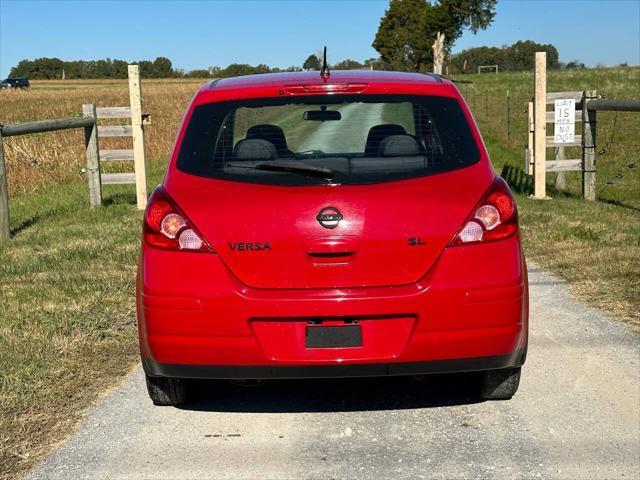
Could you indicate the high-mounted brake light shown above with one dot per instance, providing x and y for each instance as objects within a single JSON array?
[
  {"x": 325, "y": 88},
  {"x": 167, "y": 227},
  {"x": 494, "y": 218}
]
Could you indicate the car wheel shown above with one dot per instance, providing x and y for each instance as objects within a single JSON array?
[
  {"x": 500, "y": 384},
  {"x": 166, "y": 390}
]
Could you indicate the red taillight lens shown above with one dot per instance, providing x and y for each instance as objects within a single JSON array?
[
  {"x": 167, "y": 227},
  {"x": 495, "y": 217}
]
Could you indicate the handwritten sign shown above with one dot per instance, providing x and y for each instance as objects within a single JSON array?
[{"x": 564, "y": 130}]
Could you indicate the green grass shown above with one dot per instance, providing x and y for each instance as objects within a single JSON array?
[
  {"x": 595, "y": 246},
  {"x": 67, "y": 328},
  {"x": 618, "y": 134}
]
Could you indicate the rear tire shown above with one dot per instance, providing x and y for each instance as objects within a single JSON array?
[
  {"x": 499, "y": 384},
  {"x": 166, "y": 390}
]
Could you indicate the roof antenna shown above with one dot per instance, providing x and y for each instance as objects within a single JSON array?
[{"x": 324, "y": 71}]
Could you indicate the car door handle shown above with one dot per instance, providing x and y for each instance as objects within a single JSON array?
[{"x": 337, "y": 246}]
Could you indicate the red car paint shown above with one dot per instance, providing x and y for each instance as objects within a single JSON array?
[{"x": 238, "y": 304}]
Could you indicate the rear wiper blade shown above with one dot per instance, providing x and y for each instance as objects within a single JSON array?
[{"x": 287, "y": 166}]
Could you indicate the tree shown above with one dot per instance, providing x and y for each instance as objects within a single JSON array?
[
  {"x": 146, "y": 68},
  {"x": 197, "y": 74},
  {"x": 312, "y": 62},
  {"x": 348, "y": 64},
  {"x": 409, "y": 27},
  {"x": 573, "y": 65},
  {"x": 239, "y": 69},
  {"x": 40, "y": 68},
  {"x": 519, "y": 56},
  {"x": 162, "y": 67}
]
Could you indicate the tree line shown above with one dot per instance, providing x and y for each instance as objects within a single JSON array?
[
  {"x": 519, "y": 56},
  {"x": 403, "y": 41},
  {"x": 54, "y": 68}
]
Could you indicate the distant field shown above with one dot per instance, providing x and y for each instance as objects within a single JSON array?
[
  {"x": 34, "y": 161},
  {"x": 67, "y": 328},
  {"x": 106, "y": 82}
]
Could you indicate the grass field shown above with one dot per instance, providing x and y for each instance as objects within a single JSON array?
[
  {"x": 595, "y": 246},
  {"x": 67, "y": 328}
]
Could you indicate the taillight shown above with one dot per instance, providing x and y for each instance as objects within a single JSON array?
[
  {"x": 495, "y": 217},
  {"x": 167, "y": 227}
]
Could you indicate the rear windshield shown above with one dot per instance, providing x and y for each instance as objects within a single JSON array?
[{"x": 327, "y": 139}]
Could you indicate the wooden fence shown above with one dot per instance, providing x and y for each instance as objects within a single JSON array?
[
  {"x": 585, "y": 105},
  {"x": 92, "y": 132},
  {"x": 134, "y": 130}
]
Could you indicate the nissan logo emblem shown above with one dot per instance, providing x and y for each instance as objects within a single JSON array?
[{"x": 329, "y": 217}]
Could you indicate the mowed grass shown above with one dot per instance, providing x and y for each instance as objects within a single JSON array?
[
  {"x": 595, "y": 246},
  {"x": 67, "y": 327}
]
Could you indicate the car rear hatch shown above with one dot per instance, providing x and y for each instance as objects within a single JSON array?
[
  {"x": 329, "y": 191},
  {"x": 385, "y": 234}
]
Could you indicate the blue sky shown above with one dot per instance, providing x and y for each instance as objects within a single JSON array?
[{"x": 199, "y": 34}]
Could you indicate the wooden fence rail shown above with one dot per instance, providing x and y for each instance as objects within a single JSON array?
[
  {"x": 614, "y": 105},
  {"x": 41, "y": 126},
  {"x": 92, "y": 131},
  {"x": 46, "y": 126}
]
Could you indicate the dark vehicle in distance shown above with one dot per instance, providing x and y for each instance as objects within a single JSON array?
[{"x": 17, "y": 82}]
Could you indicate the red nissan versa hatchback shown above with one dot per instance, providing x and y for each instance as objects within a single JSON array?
[{"x": 347, "y": 225}]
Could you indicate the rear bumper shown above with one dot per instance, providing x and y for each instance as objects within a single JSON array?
[
  {"x": 197, "y": 320},
  {"x": 154, "y": 369}
]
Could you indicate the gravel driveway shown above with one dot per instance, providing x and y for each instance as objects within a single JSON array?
[{"x": 576, "y": 416}]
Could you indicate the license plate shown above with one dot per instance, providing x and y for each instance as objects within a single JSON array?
[{"x": 334, "y": 336}]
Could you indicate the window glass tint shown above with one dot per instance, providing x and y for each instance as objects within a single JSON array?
[{"x": 327, "y": 139}]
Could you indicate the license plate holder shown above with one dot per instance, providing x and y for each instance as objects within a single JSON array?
[{"x": 342, "y": 336}]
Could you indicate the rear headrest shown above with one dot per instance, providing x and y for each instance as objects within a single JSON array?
[
  {"x": 398, "y": 146},
  {"x": 270, "y": 133},
  {"x": 254, "y": 149},
  {"x": 379, "y": 132}
]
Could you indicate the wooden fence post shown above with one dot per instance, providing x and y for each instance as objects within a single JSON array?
[
  {"x": 508, "y": 119},
  {"x": 486, "y": 104},
  {"x": 540, "y": 134},
  {"x": 135, "y": 100},
  {"x": 530, "y": 141},
  {"x": 588, "y": 147},
  {"x": 561, "y": 183},
  {"x": 93, "y": 156},
  {"x": 5, "y": 231}
]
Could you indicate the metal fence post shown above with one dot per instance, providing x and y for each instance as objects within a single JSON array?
[
  {"x": 5, "y": 231},
  {"x": 93, "y": 156},
  {"x": 588, "y": 147}
]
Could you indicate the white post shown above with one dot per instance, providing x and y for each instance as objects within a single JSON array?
[
  {"x": 540, "y": 119},
  {"x": 135, "y": 100},
  {"x": 438, "y": 53}
]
